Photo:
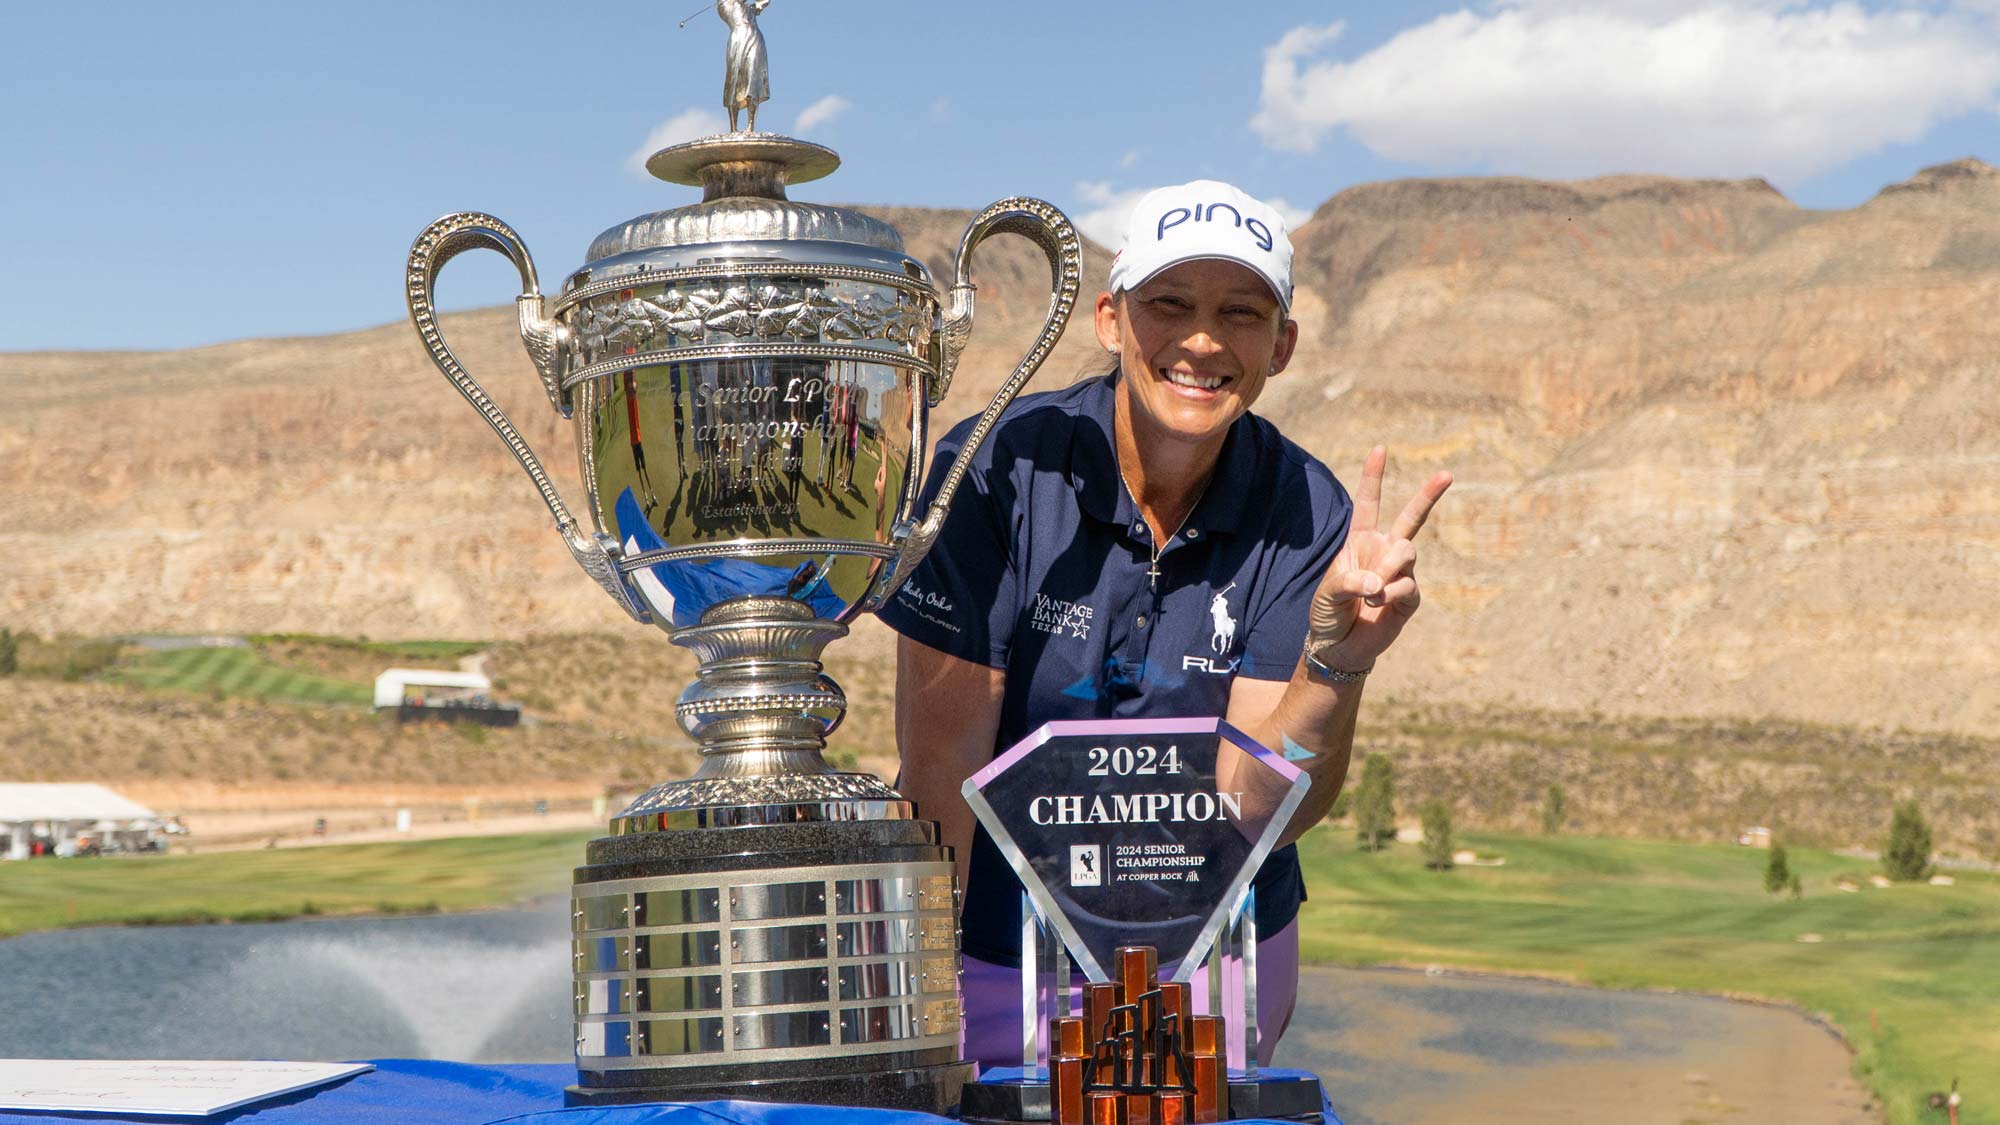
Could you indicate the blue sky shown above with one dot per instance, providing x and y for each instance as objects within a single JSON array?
[{"x": 182, "y": 174}]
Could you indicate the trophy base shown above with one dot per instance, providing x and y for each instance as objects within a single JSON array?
[
  {"x": 1026, "y": 1101},
  {"x": 1007, "y": 1100},
  {"x": 1277, "y": 1096},
  {"x": 924, "y": 1089},
  {"x": 811, "y": 962}
]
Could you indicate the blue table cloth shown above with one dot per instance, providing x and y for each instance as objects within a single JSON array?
[{"x": 424, "y": 1092}]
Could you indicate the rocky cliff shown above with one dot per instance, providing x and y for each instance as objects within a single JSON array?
[{"x": 1717, "y": 455}]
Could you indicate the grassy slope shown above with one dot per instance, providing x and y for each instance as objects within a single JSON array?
[
  {"x": 1909, "y": 974},
  {"x": 605, "y": 703},
  {"x": 401, "y": 650},
  {"x": 237, "y": 673},
  {"x": 418, "y": 876},
  {"x": 284, "y": 667}
]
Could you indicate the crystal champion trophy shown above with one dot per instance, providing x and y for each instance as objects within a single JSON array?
[
  {"x": 750, "y": 378},
  {"x": 1136, "y": 842}
]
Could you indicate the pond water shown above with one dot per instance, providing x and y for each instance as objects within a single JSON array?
[
  {"x": 475, "y": 987},
  {"x": 1399, "y": 1045},
  {"x": 494, "y": 987}
]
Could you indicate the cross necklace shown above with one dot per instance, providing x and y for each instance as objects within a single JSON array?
[{"x": 1160, "y": 544}]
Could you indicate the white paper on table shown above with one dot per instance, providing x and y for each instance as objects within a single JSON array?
[{"x": 182, "y": 1088}]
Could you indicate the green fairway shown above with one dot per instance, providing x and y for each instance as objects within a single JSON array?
[
  {"x": 417, "y": 650},
  {"x": 238, "y": 672},
  {"x": 420, "y": 876},
  {"x": 1909, "y": 973}
]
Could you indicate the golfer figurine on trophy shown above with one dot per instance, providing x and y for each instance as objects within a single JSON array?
[
  {"x": 746, "y": 77},
  {"x": 750, "y": 378}
]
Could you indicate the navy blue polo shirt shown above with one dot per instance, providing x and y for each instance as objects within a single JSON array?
[{"x": 1042, "y": 568}]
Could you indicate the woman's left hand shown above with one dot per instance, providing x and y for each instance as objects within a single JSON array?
[{"x": 1370, "y": 591}]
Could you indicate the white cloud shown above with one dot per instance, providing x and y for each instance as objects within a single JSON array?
[
  {"x": 819, "y": 113},
  {"x": 1780, "y": 88},
  {"x": 1106, "y": 210},
  {"x": 1293, "y": 216},
  {"x": 1104, "y": 220},
  {"x": 1641, "y": 9},
  {"x": 684, "y": 126}
]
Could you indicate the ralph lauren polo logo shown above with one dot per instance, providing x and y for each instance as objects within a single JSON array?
[
  {"x": 1220, "y": 642},
  {"x": 1225, "y": 625}
]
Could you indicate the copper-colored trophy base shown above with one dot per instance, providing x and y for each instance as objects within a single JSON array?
[{"x": 1139, "y": 1056}]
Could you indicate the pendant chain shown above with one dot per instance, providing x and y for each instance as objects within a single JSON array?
[{"x": 1160, "y": 544}]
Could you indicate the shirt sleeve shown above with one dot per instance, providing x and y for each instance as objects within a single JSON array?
[
  {"x": 962, "y": 599},
  {"x": 1278, "y": 632}
]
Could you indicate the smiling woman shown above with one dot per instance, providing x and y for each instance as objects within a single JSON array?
[
  {"x": 1141, "y": 545},
  {"x": 1205, "y": 336}
]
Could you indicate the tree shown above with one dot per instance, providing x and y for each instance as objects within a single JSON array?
[
  {"x": 10, "y": 652},
  {"x": 1777, "y": 871},
  {"x": 1908, "y": 856},
  {"x": 1555, "y": 810},
  {"x": 1343, "y": 803},
  {"x": 1375, "y": 804},
  {"x": 1437, "y": 836}
]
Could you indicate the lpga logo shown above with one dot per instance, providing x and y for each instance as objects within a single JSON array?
[
  {"x": 1200, "y": 213},
  {"x": 1219, "y": 642}
]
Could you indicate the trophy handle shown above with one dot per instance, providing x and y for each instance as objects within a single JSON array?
[
  {"x": 439, "y": 243},
  {"x": 1047, "y": 227}
]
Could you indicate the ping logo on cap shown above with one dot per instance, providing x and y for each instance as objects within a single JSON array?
[{"x": 1205, "y": 213}]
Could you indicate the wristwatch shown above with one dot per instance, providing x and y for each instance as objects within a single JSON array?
[{"x": 1331, "y": 674}]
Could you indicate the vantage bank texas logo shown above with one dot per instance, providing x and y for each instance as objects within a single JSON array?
[
  {"x": 1060, "y": 618},
  {"x": 1221, "y": 642}
]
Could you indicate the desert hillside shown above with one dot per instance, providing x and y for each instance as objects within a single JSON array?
[{"x": 1717, "y": 455}]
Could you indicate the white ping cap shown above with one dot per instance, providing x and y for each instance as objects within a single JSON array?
[{"x": 1204, "y": 219}]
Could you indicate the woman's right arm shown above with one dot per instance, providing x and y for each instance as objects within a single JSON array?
[{"x": 947, "y": 716}]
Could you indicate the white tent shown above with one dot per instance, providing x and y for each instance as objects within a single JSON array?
[
  {"x": 63, "y": 810},
  {"x": 392, "y": 685}
]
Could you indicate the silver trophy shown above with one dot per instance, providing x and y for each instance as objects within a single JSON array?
[{"x": 750, "y": 377}]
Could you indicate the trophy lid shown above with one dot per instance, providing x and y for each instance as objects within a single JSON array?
[
  {"x": 743, "y": 175},
  {"x": 755, "y": 164}
]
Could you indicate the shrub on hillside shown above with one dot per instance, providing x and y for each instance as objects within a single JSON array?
[
  {"x": 1777, "y": 870},
  {"x": 10, "y": 652},
  {"x": 1437, "y": 836},
  {"x": 1908, "y": 856},
  {"x": 1555, "y": 810},
  {"x": 1375, "y": 804},
  {"x": 88, "y": 659}
]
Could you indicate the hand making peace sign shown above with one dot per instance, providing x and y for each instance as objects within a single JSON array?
[{"x": 1370, "y": 591}]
